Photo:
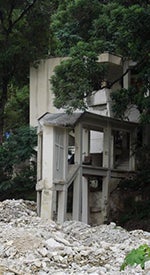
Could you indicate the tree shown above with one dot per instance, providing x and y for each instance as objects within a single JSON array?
[
  {"x": 77, "y": 77},
  {"x": 16, "y": 113},
  {"x": 120, "y": 27},
  {"x": 17, "y": 173},
  {"x": 24, "y": 37},
  {"x": 72, "y": 23}
]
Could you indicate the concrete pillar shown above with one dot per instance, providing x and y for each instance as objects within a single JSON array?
[
  {"x": 107, "y": 157},
  {"x": 77, "y": 198},
  {"x": 39, "y": 203},
  {"x": 39, "y": 170},
  {"x": 48, "y": 155},
  {"x": 109, "y": 102},
  {"x": 85, "y": 143},
  {"x": 66, "y": 143},
  {"x": 46, "y": 204},
  {"x": 85, "y": 209},
  {"x": 78, "y": 179},
  {"x": 47, "y": 173},
  {"x": 107, "y": 144},
  {"x": 126, "y": 78},
  {"x": 62, "y": 205},
  {"x": 105, "y": 194},
  {"x": 84, "y": 191},
  {"x": 112, "y": 152},
  {"x": 131, "y": 155},
  {"x": 40, "y": 156}
]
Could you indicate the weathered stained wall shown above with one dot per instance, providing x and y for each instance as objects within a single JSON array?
[{"x": 41, "y": 96}]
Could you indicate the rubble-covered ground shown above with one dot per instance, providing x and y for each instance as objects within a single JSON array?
[{"x": 30, "y": 245}]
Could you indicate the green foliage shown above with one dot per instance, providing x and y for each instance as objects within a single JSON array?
[
  {"x": 142, "y": 177},
  {"x": 135, "y": 190},
  {"x": 72, "y": 23},
  {"x": 24, "y": 37},
  {"x": 76, "y": 77},
  {"x": 137, "y": 256},
  {"x": 17, "y": 108},
  {"x": 137, "y": 94},
  {"x": 127, "y": 38},
  {"x": 95, "y": 24},
  {"x": 134, "y": 211},
  {"x": 17, "y": 170},
  {"x": 20, "y": 145}
]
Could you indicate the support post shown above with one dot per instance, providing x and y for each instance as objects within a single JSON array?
[
  {"x": 107, "y": 152},
  {"x": 107, "y": 143},
  {"x": 78, "y": 179},
  {"x": 62, "y": 205},
  {"x": 105, "y": 193},
  {"x": 85, "y": 143},
  {"x": 131, "y": 155},
  {"x": 46, "y": 204},
  {"x": 126, "y": 78},
  {"x": 39, "y": 203},
  {"x": 84, "y": 200},
  {"x": 47, "y": 173},
  {"x": 84, "y": 191}
]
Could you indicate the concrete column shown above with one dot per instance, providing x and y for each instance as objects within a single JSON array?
[
  {"x": 126, "y": 78},
  {"x": 39, "y": 170},
  {"x": 46, "y": 204},
  {"x": 105, "y": 194},
  {"x": 85, "y": 143},
  {"x": 54, "y": 203},
  {"x": 107, "y": 143},
  {"x": 85, "y": 200},
  {"x": 66, "y": 141},
  {"x": 109, "y": 102},
  {"x": 47, "y": 173},
  {"x": 107, "y": 158},
  {"x": 112, "y": 152},
  {"x": 48, "y": 155},
  {"x": 85, "y": 152},
  {"x": 77, "y": 198},
  {"x": 131, "y": 155},
  {"x": 62, "y": 205},
  {"x": 39, "y": 203},
  {"x": 78, "y": 179},
  {"x": 40, "y": 156}
]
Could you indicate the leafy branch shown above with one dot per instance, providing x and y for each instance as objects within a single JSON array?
[{"x": 137, "y": 256}]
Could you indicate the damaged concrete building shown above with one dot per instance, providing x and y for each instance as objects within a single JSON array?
[{"x": 82, "y": 156}]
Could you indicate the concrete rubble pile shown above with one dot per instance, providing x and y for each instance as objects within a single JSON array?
[{"x": 30, "y": 245}]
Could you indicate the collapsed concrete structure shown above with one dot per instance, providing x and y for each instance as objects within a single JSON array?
[{"x": 82, "y": 156}]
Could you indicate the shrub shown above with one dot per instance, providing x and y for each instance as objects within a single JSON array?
[
  {"x": 137, "y": 256},
  {"x": 17, "y": 171}
]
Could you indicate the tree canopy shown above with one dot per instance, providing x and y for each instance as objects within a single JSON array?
[
  {"x": 84, "y": 29},
  {"x": 17, "y": 173},
  {"x": 24, "y": 37}
]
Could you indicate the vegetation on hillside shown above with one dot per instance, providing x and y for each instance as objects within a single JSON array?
[
  {"x": 84, "y": 29},
  {"x": 18, "y": 163},
  {"x": 81, "y": 30},
  {"x": 24, "y": 38}
]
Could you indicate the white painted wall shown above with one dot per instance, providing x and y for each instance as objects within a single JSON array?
[{"x": 41, "y": 96}]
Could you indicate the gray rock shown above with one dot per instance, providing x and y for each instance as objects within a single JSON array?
[
  {"x": 30, "y": 245},
  {"x": 147, "y": 265}
]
